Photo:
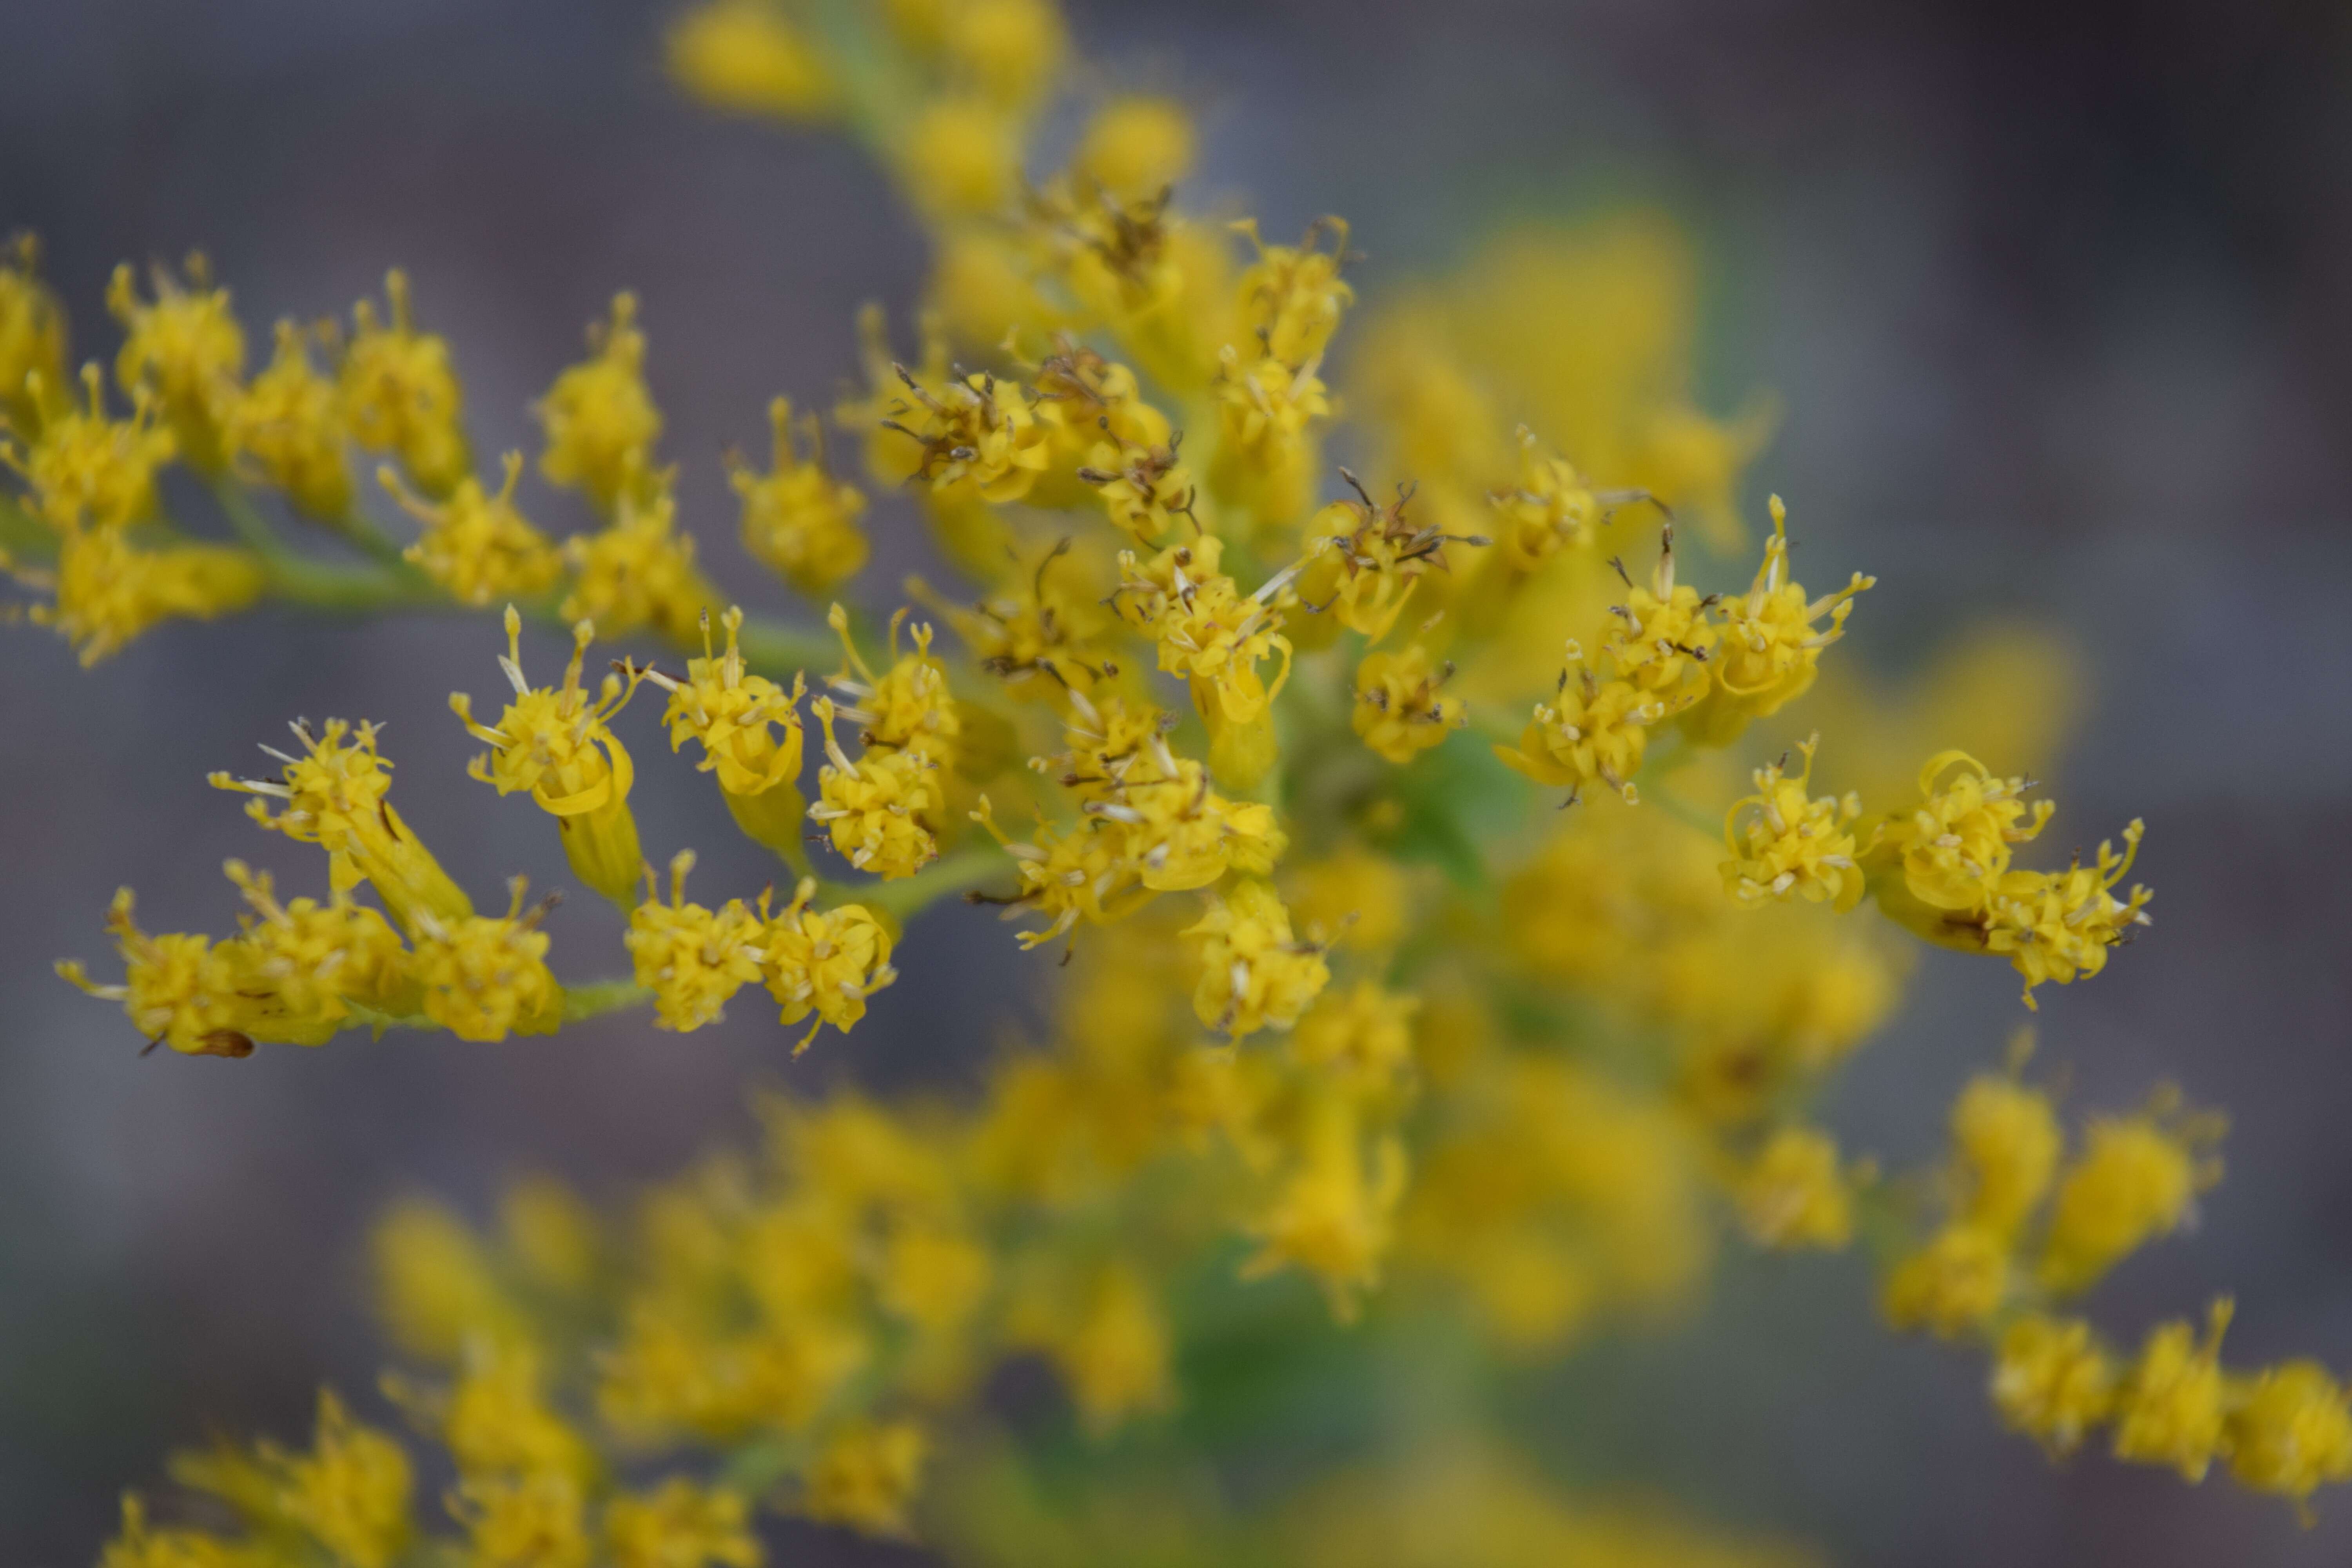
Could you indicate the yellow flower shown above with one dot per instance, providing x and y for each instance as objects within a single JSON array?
[
  {"x": 1253, "y": 974},
  {"x": 975, "y": 428},
  {"x": 82, "y": 467},
  {"x": 138, "y": 1545},
  {"x": 435, "y": 1286},
  {"x": 638, "y": 571},
  {"x": 1043, "y": 634},
  {"x": 960, "y": 156},
  {"x": 402, "y": 395},
  {"x": 2172, "y": 1410},
  {"x": 485, "y": 976},
  {"x": 600, "y": 419},
  {"x": 1590, "y": 730},
  {"x": 335, "y": 795},
  {"x": 1552, "y": 509},
  {"x": 933, "y": 1276},
  {"x": 748, "y": 57},
  {"x": 108, "y": 590},
  {"x": 680, "y": 1525},
  {"x": 825, "y": 962},
  {"x": 1011, "y": 49},
  {"x": 691, "y": 958},
  {"x": 1265, "y": 454},
  {"x": 476, "y": 546},
  {"x": 1365, "y": 560},
  {"x": 1086, "y": 872},
  {"x": 557, "y": 744},
  {"x": 2053, "y": 1381},
  {"x": 496, "y": 1418},
  {"x": 2134, "y": 1181},
  {"x": 1955, "y": 848},
  {"x": 908, "y": 706},
  {"x": 290, "y": 422},
  {"x": 1362, "y": 1038},
  {"x": 1660, "y": 639},
  {"x": 877, "y": 810},
  {"x": 1798, "y": 845},
  {"x": 185, "y": 347},
  {"x": 2007, "y": 1138},
  {"x": 1794, "y": 1195},
  {"x": 306, "y": 964},
  {"x": 2291, "y": 1433},
  {"x": 866, "y": 1478},
  {"x": 1769, "y": 651},
  {"x": 350, "y": 1492},
  {"x": 1207, "y": 630},
  {"x": 32, "y": 336},
  {"x": 1955, "y": 1284},
  {"x": 1335, "y": 1215},
  {"x": 180, "y": 989},
  {"x": 798, "y": 519},
  {"x": 1351, "y": 895},
  {"x": 1114, "y": 1352},
  {"x": 535, "y": 1520},
  {"x": 735, "y": 716},
  {"x": 2057, "y": 926},
  {"x": 1292, "y": 295},
  {"x": 1136, "y": 145}
]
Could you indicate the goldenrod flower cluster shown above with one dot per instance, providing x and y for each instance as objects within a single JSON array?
[{"x": 1413, "y": 995}]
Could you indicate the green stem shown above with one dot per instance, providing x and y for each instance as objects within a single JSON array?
[
  {"x": 909, "y": 895},
  {"x": 296, "y": 579},
  {"x": 776, "y": 650},
  {"x": 597, "y": 997}
]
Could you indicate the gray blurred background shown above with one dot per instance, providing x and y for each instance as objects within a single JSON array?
[{"x": 2060, "y": 303}]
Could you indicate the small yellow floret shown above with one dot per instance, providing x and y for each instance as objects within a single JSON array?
[
  {"x": 1137, "y": 147},
  {"x": 485, "y": 977},
  {"x": 638, "y": 569},
  {"x": 1953, "y": 1285},
  {"x": 1795, "y": 1195},
  {"x": 797, "y": 518},
  {"x": 2290, "y": 1432},
  {"x": 877, "y": 810},
  {"x": 83, "y": 467},
  {"x": 866, "y": 1478},
  {"x": 31, "y": 336},
  {"x": 2053, "y": 1380},
  {"x": 2007, "y": 1140},
  {"x": 1770, "y": 650},
  {"x": 2134, "y": 1181},
  {"x": 186, "y": 346},
  {"x": 736, "y": 717},
  {"x": 748, "y": 57},
  {"x": 692, "y": 959},
  {"x": 350, "y": 1492},
  {"x": 476, "y": 546},
  {"x": 402, "y": 395},
  {"x": 108, "y": 590},
  {"x": 1255, "y": 974},
  {"x": 1797, "y": 845},
  {"x": 599, "y": 418},
  {"x": 681, "y": 1525},
  {"x": 289, "y": 424},
  {"x": 2172, "y": 1409},
  {"x": 824, "y": 961}
]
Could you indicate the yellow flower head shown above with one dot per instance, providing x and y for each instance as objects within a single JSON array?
[
  {"x": 1292, "y": 295},
  {"x": 600, "y": 419},
  {"x": 1113, "y": 1351},
  {"x": 1364, "y": 560},
  {"x": 866, "y": 1478},
  {"x": 1353, "y": 894},
  {"x": 1955, "y": 848},
  {"x": 2134, "y": 1180},
  {"x": 2058, "y": 926},
  {"x": 402, "y": 395},
  {"x": 139, "y": 1545},
  {"x": 1083, "y": 873},
  {"x": 1336, "y": 1212},
  {"x": 497, "y": 1418},
  {"x": 1795, "y": 1195},
  {"x": 350, "y": 1493},
  {"x": 289, "y": 423},
  {"x": 1590, "y": 730},
  {"x": 477, "y": 546},
  {"x": 1144, "y": 488},
  {"x": 958, "y": 156},
  {"x": 108, "y": 590},
  {"x": 1178, "y": 832},
  {"x": 180, "y": 989},
  {"x": 1010, "y": 48},
  {"x": 2290, "y": 1432},
  {"x": 638, "y": 569},
  {"x": 877, "y": 810},
  {"x": 680, "y": 1525},
  {"x": 306, "y": 962},
  {"x": 1041, "y": 634},
  {"x": 537, "y": 1519},
  {"x": 1400, "y": 710},
  {"x": 1083, "y": 398},
  {"x": 1797, "y": 845},
  {"x": 1255, "y": 974},
  {"x": 1659, "y": 637},
  {"x": 2053, "y": 1381},
  {"x": 797, "y": 518},
  {"x": 746, "y": 55},
  {"x": 734, "y": 715},
  {"x": 184, "y": 346},
  {"x": 1265, "y": 453},
  {"x": 84, "y": 468},
  {"x": 825, "y": 962},
  {"x": 690, "y": 958},
  {"x": 2007, "y": 1140},
  {"x": 1136, "y": 145},
  {"x": 334, "y": 795},
  {"x": 2173, "y": 1406},
  {"x": 32, "y": 334},
  {"x": 485, "y": 976},
  {"x": 1552, "y": 510},
  {"x": 1953, "y": 1285},
  {"x": 1208, "y": 631},
  {"x": 1361, "y": 1038},
  {"x": 975, "y": 428},
  {"x": 1770, "y": 648},
  {"x": 908, "y": 706},
  {"x": 558, "y": 745}
]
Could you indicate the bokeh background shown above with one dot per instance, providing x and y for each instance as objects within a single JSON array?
[{"x": 2058, "y": 302}]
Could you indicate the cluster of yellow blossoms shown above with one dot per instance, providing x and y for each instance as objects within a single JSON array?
[{"x": 1403, "y": 1029}]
